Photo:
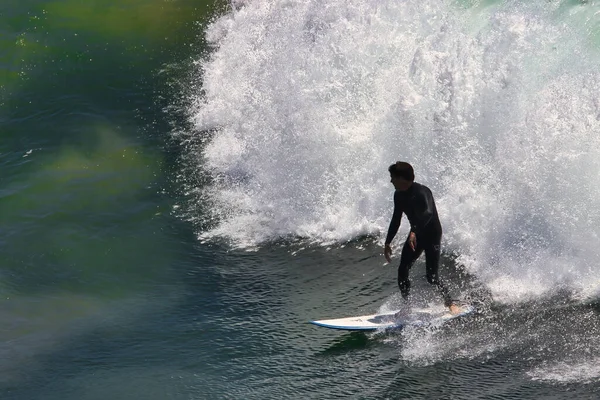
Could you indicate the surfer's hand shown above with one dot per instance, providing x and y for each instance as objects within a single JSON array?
[
  {"x": 412, "y": 241},
  {"x": 387, "y": 252}
]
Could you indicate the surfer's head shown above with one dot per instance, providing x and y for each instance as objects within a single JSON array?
[{"x": 402, "y": 175}]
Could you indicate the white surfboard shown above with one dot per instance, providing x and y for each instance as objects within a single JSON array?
[{"x": 417, "y": 317}]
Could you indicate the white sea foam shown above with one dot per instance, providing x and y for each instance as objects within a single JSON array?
[
  {"x": 497, "y": 108},
  {"x": 568, "y": 372}
]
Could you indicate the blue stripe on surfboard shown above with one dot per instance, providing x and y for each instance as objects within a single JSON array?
[{"x": 356, "y": 328}]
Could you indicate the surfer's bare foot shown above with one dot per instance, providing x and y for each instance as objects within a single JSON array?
[{"x": 454, "y": 309}]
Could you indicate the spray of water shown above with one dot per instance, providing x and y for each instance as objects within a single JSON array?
[{"x": 304, "y": 104}]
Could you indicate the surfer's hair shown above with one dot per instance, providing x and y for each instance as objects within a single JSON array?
[{"x": 402, "y": 170}]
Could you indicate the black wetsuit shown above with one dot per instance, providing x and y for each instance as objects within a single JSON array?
[{"x": 418, "y": 205}]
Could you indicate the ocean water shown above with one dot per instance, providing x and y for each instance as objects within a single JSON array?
[{"x": 184, "y": 185}]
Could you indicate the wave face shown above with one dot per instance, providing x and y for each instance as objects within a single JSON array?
[{"x": 304, "y": 104}]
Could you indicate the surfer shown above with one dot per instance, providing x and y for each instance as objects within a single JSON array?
[{"x": 416, "y": 201}]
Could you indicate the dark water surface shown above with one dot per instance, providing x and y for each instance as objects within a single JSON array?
[{"x": 106, "y": 293}]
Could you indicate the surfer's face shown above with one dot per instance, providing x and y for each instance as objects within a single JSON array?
[{"x": 400, "y": 183}]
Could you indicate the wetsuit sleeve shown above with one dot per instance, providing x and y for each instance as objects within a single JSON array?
[
  {"x": 396, "y": 218},
  {"x": 427, "y": 211}
]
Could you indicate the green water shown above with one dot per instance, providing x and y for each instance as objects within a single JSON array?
[
  {"x": 86, "y": 167},
  {"x": 83, "y": 139}
]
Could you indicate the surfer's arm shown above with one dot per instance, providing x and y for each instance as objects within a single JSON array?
[{"x": 395, "y": 222}]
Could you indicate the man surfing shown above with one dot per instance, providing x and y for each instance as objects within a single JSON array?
[{"x": 416, "y": 201}]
